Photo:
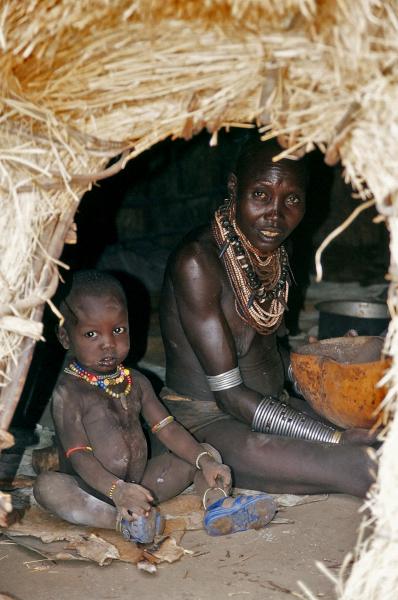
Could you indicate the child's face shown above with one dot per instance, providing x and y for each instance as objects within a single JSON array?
[{"x": 99, "y": 341}]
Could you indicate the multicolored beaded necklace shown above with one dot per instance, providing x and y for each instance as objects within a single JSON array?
[
  {"x": 260, "y": 284},
  {"x": 104, "y": 382}
]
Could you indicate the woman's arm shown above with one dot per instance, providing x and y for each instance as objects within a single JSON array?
[
  {"x": 198, "y": 287},
  {"x": 197, "y": 281}
]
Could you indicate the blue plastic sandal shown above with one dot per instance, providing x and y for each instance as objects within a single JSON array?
[
  {"x": 246, "y": 512},
  {"x": 144, "y": 529}
]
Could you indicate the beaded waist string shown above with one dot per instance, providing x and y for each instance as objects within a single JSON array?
[{"x": 260, "y": 284}]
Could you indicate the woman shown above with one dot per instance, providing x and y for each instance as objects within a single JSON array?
[{"x": 224, "y": 295}]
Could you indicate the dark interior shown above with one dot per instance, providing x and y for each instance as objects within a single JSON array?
[{"x": 130, "y": 223}]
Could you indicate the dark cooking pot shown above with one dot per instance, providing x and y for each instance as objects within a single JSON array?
[{"x": 336, "y": 317}]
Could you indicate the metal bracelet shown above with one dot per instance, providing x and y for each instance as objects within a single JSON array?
[
  {"x": 204, "y": 453},
  {"x": 159, "y": 426},
  {"x": 273, "y": 416},
  {"x": 224, "y": 381},
  {"x": 212, "y": 490}
]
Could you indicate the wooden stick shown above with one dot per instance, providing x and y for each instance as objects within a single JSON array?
[
  {"x": 336, "y": 232},
  {"x": 11, "y": 393}
]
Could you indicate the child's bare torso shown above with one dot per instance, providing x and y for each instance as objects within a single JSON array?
[{"x": 112, "y": 427}]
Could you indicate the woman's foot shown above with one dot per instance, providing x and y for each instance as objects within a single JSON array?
[{"x": 229, "y": 515}]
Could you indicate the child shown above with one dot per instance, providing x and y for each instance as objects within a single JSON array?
[{"x": 105, "y": 478}]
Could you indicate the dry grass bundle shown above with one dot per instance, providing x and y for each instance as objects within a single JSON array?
[
  {"x": 338, "y": 90},
  {"x": 375, "y": 570},
  {"x": 84, "y": 84},
  {"x": 90, "y": 80}
]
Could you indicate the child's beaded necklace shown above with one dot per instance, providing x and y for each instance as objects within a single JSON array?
[{"x": 104, "y": 382}]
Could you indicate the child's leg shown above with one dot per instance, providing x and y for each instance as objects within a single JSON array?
[
  {"x": 166, "y": 476},
  {"x": 61, "y": 495}
]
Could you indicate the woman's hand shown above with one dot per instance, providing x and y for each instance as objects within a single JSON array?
[
  {"x": 359, "y": 437},
  {"x": 216, "y": 475},
  {"x": 132, "y": 500}
]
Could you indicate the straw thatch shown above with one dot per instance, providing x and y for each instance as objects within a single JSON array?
[{"x": 86, "y": 81}]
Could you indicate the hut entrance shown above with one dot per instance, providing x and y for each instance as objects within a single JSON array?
[{"x": 130, "y": 223}]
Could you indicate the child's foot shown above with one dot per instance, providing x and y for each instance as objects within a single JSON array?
[
  {"x": 144, "y": 529},
  {"x": 228, "y": 515}
]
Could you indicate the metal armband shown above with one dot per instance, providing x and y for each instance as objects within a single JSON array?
[
  {"x": 276, "y": 417},
  {"x": 224, "y": 381}
]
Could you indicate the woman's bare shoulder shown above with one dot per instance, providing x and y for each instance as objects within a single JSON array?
[{"x": 196, "y": 253}]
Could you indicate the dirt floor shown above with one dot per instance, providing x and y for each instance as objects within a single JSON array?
[{"x": 257, "y": 565}]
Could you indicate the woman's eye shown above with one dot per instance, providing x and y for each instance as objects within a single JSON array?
[
  {"x": 119, "y": 330},
  {"x": 259, "y": 194},
  {"x": 90, "y": 334},
  {"x": 291, "y": 200}
]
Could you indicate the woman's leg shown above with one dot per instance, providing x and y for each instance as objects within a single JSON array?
[{"x": 279, "y": 465}]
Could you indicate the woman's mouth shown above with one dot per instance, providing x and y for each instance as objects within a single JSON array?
[{"x": 270, "y": 234}]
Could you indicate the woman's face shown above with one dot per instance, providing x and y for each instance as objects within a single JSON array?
[{"x": 270, "y": 200}]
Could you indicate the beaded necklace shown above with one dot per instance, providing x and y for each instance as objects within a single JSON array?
[
  {"x": 104, "y": 382},
  {"x": 260, "y": 284}
]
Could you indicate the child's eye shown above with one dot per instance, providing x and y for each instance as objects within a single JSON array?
[
  {"x": 119, "y": 330},
  {"x": 90, "y": 334}
]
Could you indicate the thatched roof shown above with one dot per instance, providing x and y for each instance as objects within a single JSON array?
[{"x": 86, "y": 81}]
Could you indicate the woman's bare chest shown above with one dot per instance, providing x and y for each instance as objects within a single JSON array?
[{"x": 244, "y": 335}]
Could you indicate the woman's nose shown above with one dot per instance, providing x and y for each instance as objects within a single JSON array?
[{"x": 273, "y": 208}]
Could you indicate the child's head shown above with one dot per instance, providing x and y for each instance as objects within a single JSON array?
[{"x": 95, "y": 330}]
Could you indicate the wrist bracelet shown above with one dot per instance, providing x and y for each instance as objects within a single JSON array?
[
  {"x": 197, "y": 465},
  {"x": 113, "y": 487},
  {"x": 273, "y": 416},
  {"x": 337, "y": 437},
  {"x": 212, "y": 490}
]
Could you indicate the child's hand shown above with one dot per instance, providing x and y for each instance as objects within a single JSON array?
[
  {"x": 132, "y": 500},
  {"x": 217, "y": 475}
]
